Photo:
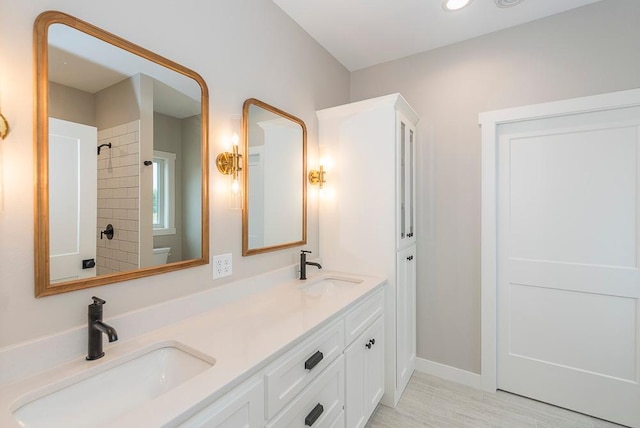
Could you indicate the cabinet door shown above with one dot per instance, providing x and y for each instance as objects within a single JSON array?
[
  {"x": 374, "y": 367},
  {"x": 405, "y": 316},
  {"x": 405, "y": 188},
  {"x": 364, "y": 374},
  {"x": 241, "y": 408}
]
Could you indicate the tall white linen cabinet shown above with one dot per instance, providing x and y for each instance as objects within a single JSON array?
[{"x": 368, "y": 215}]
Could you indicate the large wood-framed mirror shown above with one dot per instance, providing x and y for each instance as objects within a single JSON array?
[
  {"x": 121, "y": 152},
  {"x": 274, "y": 213}
]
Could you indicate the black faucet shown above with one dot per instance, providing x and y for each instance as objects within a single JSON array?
[
  {"x": 304, "y": 263},
  {"x": 97, "y": 328}
]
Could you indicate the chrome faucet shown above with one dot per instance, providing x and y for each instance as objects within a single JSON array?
[
  {"x": 97, "y": 328},
  {"x": 304, "y": 263}
]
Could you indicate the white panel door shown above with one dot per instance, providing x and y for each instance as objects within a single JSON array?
[
  {"x": 73, "y": 167},
  {"x": 568, "y": 259}
]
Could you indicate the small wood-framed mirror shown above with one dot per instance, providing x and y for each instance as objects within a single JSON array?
[
  {"x": 121, "y": 152},
  {"x": 274, "y": 213}
]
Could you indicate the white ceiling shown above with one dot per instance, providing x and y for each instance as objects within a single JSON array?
[
  {"x": 84, "y": 62},
  {"x": 361, "y": 33}
]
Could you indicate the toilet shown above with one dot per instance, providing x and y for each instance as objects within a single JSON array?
[{"x": 160, "y": 255}]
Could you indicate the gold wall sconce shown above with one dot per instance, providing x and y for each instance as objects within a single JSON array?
[
  {"x": 230, "y": 163},
  {"x": 317, "y": 177},
  {"x": 4, "y": 130},
  {"x": 4, "y": 127}
]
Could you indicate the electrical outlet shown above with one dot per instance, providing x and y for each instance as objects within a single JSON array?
[{"x": 222, "y": 266}]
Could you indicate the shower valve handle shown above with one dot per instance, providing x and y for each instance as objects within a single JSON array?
[{"x": 108, "y": 232}]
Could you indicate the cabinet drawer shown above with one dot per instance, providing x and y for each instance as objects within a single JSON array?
[
  {"x": 362, "y": 316},
  {"x": 320, "y": 405},
  {"x": 290, "y": 374}
]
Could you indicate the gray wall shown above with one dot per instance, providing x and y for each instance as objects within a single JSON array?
[
  {"x": 243, "y": 49},
  {"x": 71, "y": 104},
  {"x": 587, "y": 51},
  {"x": 107, "y": 108},
  {"x": 118, "y": 103}
]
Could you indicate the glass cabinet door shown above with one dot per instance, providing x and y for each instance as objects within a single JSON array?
[
  {"x": 405, "y": 182},
  {"x": 411, "y": 197}
]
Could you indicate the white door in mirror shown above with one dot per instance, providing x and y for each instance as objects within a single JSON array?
[{"x": 72, "y": 199}]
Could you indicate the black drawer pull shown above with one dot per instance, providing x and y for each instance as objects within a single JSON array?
[
  {"x": 313, "y": 416},
  {"x": 313, "y": 360}
]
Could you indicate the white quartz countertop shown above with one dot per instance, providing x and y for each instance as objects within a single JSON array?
[{"x": 242, "y": 337}]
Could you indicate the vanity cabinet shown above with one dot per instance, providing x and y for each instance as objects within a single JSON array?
[
  {"x": 332, "y": 379},
  {"x": 368, "y": 217}
]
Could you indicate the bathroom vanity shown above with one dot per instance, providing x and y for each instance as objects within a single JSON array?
[
  {"x": 293, "y": 354},
  {"x": 333, "y": 377}
]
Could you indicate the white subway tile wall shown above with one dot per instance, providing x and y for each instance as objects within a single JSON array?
[{"x": 118, "y": 198}]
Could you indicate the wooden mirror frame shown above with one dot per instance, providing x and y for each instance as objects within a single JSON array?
[
  {"x": 246, "y": 251},
  {"x": 43, "y": 287}
]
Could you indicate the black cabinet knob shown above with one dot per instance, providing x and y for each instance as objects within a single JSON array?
[{"x": 368, "y": 345}]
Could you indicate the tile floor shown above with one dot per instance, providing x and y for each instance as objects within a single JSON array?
[{"x": 429, "y": 401}]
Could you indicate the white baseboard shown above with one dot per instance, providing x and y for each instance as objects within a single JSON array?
[{"x": 452, "y": 374}]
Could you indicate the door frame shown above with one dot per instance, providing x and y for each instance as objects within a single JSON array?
[{"x": 489, "y": 122}]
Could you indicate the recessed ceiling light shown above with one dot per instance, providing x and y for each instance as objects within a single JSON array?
[
  {"x": 455, "y": 5},
  {"x": 507, "y": 3}
]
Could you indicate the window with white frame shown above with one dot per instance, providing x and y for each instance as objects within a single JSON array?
[{"x": 164, "y": 185}]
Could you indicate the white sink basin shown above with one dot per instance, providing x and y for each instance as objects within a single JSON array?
[
  {"x": 95, "y": 398},
  {"x": 328, "y": 286}
]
